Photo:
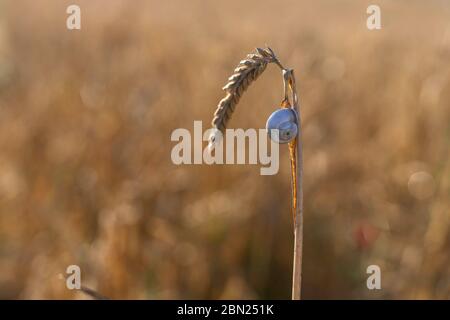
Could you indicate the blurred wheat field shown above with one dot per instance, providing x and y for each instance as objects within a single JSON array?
[{"x": 86, "y": 176}]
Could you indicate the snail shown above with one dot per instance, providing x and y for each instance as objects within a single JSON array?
[{"x": 282, "y": 125}]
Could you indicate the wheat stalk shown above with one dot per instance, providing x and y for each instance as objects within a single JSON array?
[
  {"x": 93, "y": 294},
  {"x": 245, "y": 73}
]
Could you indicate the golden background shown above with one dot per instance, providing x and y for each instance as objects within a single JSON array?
[{"x": 86, "y": 176}]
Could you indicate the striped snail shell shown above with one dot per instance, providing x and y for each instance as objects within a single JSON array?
[{"x": 282, "y": 125}]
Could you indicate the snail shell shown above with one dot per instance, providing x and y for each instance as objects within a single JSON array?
[{"x": 282, "y": 125}]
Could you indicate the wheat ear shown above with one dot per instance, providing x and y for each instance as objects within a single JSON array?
[{"x": 244, "y": 74}]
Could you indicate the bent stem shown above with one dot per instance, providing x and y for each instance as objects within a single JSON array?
[{"x": 296, "y": 156}]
